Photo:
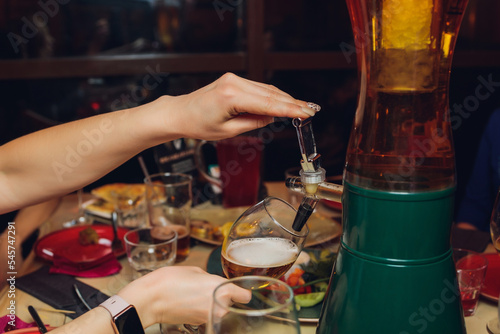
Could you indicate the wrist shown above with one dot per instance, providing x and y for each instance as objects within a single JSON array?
[
  {"x": 124, "y": 316},
  {"x": 161, "y": 121},
  {"x": 144, "y": 301}
]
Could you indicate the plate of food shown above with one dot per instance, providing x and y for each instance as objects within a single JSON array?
[
  {"x": 308, "y": 277},
  {"x": 209, "y": 223},
  {"x": 79, "y": 244},
  {"x": 128, "y": 195}
]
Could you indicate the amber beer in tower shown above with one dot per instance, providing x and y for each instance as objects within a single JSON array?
[{"x": 270, "y": 257}]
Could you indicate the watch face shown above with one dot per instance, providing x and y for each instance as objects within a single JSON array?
[{"x": 128, "y": 322}]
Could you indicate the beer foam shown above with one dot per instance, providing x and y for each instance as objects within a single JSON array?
[{"x": 262, "y": 252}]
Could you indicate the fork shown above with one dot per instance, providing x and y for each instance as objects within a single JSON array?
[
  {"x": 79, "y": 294},
  {"x": 116, "y": 244}
]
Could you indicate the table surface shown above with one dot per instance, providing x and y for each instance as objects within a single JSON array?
[{"x": 476, "y": 324}]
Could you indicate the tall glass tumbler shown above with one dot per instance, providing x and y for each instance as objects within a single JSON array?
[{"x": 169, "y": 200}]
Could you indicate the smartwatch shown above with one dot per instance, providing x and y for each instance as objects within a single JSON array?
[{"x": 124, "y": 317}]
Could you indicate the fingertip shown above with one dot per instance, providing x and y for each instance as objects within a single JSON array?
[{"x": 314, "y": 106}]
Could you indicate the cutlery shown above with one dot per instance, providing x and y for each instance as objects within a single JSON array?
[
  {"x": 79, "y": 294},
  {"x": 116, "y": 244},
  {"x": 36, "y": 317}
]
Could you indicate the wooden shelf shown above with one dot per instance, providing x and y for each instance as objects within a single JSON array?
[
  {"x": 253, "y": 61},
  {"x": 121, "y": 65},
  {"x": 200, "y": 63},
  {"x": 307, "y": 61}
]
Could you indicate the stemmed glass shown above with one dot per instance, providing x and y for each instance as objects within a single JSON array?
[
  {"x": 494, "y": 324},
  {"x": 262, "y": 241},
  {"x": 495, "y": 223},
  {"x": 271, "y": 308}
]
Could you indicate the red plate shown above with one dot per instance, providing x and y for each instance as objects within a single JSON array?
[
  {"x": 491, "y": 286},
  {"x": 65, "y": 243}
]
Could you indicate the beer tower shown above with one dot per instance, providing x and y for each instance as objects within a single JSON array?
[{"x": 394, "y": 272}]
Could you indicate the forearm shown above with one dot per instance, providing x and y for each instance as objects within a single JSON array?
[
  {"x": 95, "y": 321},
  {"x": 30, "y": 218},
  {"x": 58, "y": 160}
]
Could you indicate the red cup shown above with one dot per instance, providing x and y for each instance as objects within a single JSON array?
[{"x": 239, "y": 160}]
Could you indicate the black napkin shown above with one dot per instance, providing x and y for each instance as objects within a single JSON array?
[{"x": 57, "y": 291}]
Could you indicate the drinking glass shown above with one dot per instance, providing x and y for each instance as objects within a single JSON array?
[
  {"x": 471, "y": 269},
  {"x": 262, "y": 241},
  {"x": 495, "y": 223},
  {"x": 168, "y": 199},
  {"x": 270, "y": 310},
  {"x": 131, "y": 211},
  {"x": 80, "y": 218},
  {"x": 239, "y": 160},
  {"x": 150, "y": 248}
]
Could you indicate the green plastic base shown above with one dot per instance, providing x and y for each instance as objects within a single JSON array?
[
  {"x": 394, "y": 271},
  {"x": 397, "y": 227}
]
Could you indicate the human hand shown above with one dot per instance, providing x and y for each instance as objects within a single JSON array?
[
  {"x": 232, "y": 105},
  {"x": 177, "y": 295},
  {"x": 465, "y": 226}
]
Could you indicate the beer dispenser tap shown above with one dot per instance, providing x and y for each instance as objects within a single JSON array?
[
  {"x": 312, "y": 176},
  {"x": 311, "y": 182}
]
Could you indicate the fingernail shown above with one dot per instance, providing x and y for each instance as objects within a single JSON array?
[
  {"x": 308, "y": 111},
  {"x": 314, "y": 106}
]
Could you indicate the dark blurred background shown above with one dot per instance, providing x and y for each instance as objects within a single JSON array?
[{"x": 62, "y": 60}]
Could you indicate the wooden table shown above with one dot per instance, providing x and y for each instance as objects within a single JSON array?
[{"x": 199, "y": 255}]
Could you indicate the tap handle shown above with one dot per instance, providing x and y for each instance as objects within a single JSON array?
[{"x": 310, "y": 158}]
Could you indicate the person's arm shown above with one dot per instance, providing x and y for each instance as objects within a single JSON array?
[
  {"x": 29, "y": 219},
  {"x": 175, "y": 295},
  {"x": 61, "y": 159}
]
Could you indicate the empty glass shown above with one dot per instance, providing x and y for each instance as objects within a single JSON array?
[{"x": 150, "y": 248}]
